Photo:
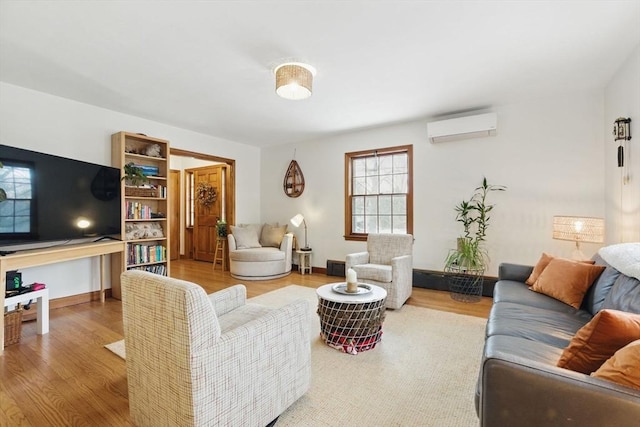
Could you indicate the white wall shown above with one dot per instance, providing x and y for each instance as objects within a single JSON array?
[
  {"x": 622, "y": 99},
  {"x": 548, "y": 153},
  {"x": 50, "y": 124}
]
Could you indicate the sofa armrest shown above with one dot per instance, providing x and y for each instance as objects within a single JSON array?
[
  {"x": 515, "y": 272},
  {"x": 228, "y": 299},
  {"x": 287, "y": 247},
  {"x": 356, "y": 259},
  {"x": 402, "y": 267},
  {"x": 532, "y": 394}
]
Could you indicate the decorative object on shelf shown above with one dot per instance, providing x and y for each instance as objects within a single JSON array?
[
  {"x": 467, "y": 263},
  {"x": 153, "y": 150},
  {"x": 134, "y": 175},
  {"x": 221, "y": 228},
  {"x": 206, "y": 194},
  {"x": 578, "y": 229},
  {"x": 297, "y": 221},
  {"x": 293, "y": 180},
  {"x": 294, "y": 80}
]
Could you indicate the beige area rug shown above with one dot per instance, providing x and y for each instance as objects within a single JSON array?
[{"x": 422, "y": 373}]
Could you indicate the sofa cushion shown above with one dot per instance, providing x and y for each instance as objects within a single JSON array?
[
  {"x": 622, "y": 367},
  {"x": 246, "y": 237},
  {"x": 272, "y": 235},
  {"x": 624, "y": 295},
  {"x": 567, "y": 281},
  {"x": 518, "y": 292},
  {"x": 537, "y": 324},
  {"x": 624, "y": 257},
  {"x": 257, "y": 255},
  {"x": 599, "y": 339},
  {"x": 595, "y": 296},
  {"x": 379, "y": 273}
]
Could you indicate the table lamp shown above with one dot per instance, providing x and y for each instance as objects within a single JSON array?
[
  {"x": 578, "y": 229},
  {"x": 296, "y": 221}
]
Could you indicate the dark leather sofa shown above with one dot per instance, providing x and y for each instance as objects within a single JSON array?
[{"x": 519, "y": 383}]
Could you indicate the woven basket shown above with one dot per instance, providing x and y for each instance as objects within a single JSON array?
[
  {"x": 12, "y": 327},
  {"x": 140, "y": 192}
]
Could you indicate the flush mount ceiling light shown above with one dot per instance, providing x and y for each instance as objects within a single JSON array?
[{"x": 294, "y": 80}]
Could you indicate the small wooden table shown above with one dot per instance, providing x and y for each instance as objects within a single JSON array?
[{"x": 351, "y": 323}]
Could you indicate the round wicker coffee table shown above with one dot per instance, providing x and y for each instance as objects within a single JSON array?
[{"x": 351, "y": 322}]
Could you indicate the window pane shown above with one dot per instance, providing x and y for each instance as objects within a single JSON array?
[
  {"x": 400, "y": 163},
  {"x": 372, "y": 166},
  {"x": 357, "y": 224},
  {"x": 359, "y": 186},
  {"x": 22, "y": 224},
  {"x": 384, "y": 205},
  {"x": 372, "y": 224},
  {"x": 399, "y": 205},
  {"x": 371, "y": 205},
  {"x": 372, "y": 185},
  {"x": 400, "y": 183},
  {"x": 23, "y": 208},
  {"x": 385, "y": 223},
  {"x": 385, "y": 165},
  {"x": 400, "y": 224},
  {"x": 6, "y": 208},
  {"x": 357, "y": 206},
  {"x": 358, "y": 168},
  {"x": 386, "y": 184}
]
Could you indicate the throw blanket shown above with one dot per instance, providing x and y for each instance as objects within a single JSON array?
[{"x": 624, "y": 257}]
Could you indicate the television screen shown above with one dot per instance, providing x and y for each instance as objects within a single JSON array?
[{"x": 50, "y": 198}]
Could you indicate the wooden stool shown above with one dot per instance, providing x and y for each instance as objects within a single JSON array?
[{"x": 220, "y": 255}]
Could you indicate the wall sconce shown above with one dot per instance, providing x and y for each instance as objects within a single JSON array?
[
  {"x": 621, "y": 132},
  {"x": 578, "y": 229}
]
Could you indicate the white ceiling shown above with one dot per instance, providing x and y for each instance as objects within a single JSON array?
[{"x": 207, "y": 65}]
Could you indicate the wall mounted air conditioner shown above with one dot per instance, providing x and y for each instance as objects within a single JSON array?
[{"x": 477, "y": 126}]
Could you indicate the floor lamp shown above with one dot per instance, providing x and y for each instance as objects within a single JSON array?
[{"x": 297, "y": 221}]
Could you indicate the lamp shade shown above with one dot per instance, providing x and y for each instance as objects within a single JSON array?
[
  {"x": 294, "y": 80},
  {"x": 297, "y": 220},
  {"x": 578, "y": 229}
]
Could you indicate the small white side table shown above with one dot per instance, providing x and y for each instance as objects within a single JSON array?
[
  {"x": 304, "y": 261},
  {"x": 42, "y": 298}
]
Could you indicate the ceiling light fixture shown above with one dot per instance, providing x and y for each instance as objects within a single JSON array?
[{"x": 294, "y": 80}]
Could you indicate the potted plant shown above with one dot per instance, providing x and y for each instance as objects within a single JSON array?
[
  {"x": 134, "y": 175},
  {"x": 221, "y": 228},
  {"x": 468, "y": 261}
]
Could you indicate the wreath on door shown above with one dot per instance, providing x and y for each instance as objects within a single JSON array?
[{"x": 206, "y": 194}]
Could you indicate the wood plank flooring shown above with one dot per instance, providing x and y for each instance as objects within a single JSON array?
[{"x": 68, "y": 378}]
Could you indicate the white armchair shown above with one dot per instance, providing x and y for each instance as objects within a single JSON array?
[
  {"x": 195, "y": 359},
  {"x": 259, "y": 252},
  {"x": 388, "y": 263}
]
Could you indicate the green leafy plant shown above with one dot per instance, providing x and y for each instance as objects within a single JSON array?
[
  {"x": 221, "y": 228},
  {"x": 473, "y": 214},
  {"x": 133, "y": 174}
]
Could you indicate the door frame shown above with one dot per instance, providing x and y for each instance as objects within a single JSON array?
[{"x": 230, "y": 179}]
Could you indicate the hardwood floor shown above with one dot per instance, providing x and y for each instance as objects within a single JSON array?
[{"x": 68, "y": 378}]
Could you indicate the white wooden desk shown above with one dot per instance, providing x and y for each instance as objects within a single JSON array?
[
  {"x": 51, "y": 255},
  {"x": 42, "y": 310}
]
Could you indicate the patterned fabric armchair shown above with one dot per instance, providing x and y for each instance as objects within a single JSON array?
[
  {"x": 210, "y": 360},
  {"x": 388, "y": 263}
]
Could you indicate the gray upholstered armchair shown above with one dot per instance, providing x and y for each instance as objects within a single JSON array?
[
  {"x": 195, "y": 359},
  {"x": 388, "y": 263}
]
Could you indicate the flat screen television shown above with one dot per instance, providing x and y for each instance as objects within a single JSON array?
[{"x": 55, "y": 200}]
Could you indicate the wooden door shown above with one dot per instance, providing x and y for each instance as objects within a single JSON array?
[
  {"x": 175, "y": 189},
  {"x": 204, "y": 230}
]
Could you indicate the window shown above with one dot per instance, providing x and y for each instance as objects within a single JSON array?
[
  {"x": 16, "y": 212},
  {"x": 378, "y": 192}
]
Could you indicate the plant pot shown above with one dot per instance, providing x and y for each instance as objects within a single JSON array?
[{"x": 465, "y": 285}]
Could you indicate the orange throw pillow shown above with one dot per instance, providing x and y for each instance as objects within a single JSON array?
[
  {"x": 623, "y": 367},
  {"x": 598, "y": 340},
  {"x": 543, "y": 262},
  {"x": 567, "y": 281}
]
